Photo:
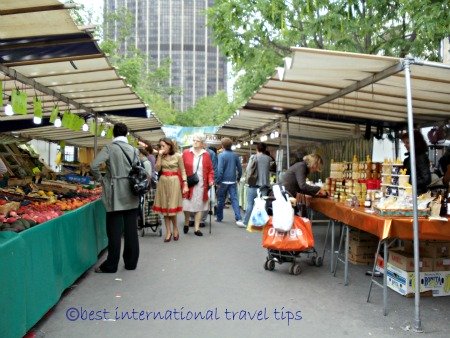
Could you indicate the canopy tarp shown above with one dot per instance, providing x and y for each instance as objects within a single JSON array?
[
  {"x": 44, "y": 53},
  {"x": 327, "y": 95}
]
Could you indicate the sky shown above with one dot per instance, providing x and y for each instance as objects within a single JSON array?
[{"x": 95, "y": 6}]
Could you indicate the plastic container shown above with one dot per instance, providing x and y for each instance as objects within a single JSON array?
[{"x": 373, "y": 184}]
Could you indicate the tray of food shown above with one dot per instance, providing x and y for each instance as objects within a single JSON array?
[{"x": 401, "y": 212}]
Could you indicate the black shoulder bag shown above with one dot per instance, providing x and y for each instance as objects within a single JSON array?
[
  {"x": 137, "y": 177},
  {"x": 193, "y": 179}
]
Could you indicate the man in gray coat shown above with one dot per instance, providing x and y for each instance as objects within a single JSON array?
[
  {"x": 262, "y": 168},
  {"x": 121, "y": 205}
]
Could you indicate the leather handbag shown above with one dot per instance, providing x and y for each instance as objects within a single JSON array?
[{"x": 193, "y": 179}]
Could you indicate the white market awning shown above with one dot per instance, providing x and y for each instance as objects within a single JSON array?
[
  {"x": 44, "y": 53},
  {"x": 326, "y": 94}
]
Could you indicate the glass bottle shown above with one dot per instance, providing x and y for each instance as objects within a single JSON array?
[
  {"x": 444, "y": 206},
  {"x": 367, "y": 202},
  {"x": 448, "y": 201}
]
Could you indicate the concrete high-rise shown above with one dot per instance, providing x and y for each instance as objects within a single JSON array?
[{"x": 176, "y": 30}]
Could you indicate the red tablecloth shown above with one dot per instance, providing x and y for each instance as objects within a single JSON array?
[{"x": 383, "y": 227}]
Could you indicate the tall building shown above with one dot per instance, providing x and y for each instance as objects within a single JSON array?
[{"x": 177, "y": 30}]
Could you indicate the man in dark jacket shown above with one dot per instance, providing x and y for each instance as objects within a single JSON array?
[{"x": 229, "y": 172}]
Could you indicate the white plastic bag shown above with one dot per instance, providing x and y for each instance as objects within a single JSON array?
[
  {"x": 283, "y": 213},
  {"x": 212, "y": 196},
  {"x": 259, "y": 216}
]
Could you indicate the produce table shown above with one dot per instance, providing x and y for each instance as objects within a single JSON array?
[{"x": 38, "y": 264}]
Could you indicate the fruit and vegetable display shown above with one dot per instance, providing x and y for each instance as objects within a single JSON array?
[{"x": 26, "y": 206}]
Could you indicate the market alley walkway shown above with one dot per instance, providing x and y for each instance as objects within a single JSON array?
[{"x": 222, "y": 276}]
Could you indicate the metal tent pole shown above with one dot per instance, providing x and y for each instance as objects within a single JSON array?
[
  {"x": 288, "y": 160},
  {"x": 417, "y": 326},
  {"x": 95, "y": 135}
]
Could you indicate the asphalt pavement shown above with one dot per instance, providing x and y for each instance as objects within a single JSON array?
[{"x": 216, "y": 286}]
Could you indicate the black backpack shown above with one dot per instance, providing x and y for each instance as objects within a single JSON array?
[{"x": 138, "y": 178}]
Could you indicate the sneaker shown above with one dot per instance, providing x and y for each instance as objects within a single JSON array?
[
  {"x": 375, "y": 274},
  {"x": 240, "y": 224}
]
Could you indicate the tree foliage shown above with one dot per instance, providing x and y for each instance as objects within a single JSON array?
[
  {"x": 256, "y": 34},
  {"x": 208, "y": 111}
]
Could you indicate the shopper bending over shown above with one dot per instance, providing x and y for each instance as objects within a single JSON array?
[{"x": 294, "y": 179}]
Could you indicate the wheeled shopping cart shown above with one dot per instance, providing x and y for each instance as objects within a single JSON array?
[
  {"x": 287, "y": 247},
  {"x": 148, "y": 219},
  {"x": 293, "y": 257}
]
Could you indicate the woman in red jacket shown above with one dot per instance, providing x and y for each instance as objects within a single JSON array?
[{"x": 197, "y": 160}]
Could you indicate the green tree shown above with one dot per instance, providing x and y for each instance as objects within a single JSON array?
[
  {"x": 208, "y": 111},
  {"x": 257, "y": 34}
]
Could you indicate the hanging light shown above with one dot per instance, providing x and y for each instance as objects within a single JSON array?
[
  {"x": 238, "y": 146},
  {"x": 58, "y": 122},
  {"x": 272, "y": 135},
  {"x": 251, "y": 141},
  {"x": 85, "y": 127},
  {"x": 37, "y": 110},
  {"x": 103, "y": 133},
  {"x": 276, "y": 133},
  {"x": 9, "y": 110},
  {"x": 233, "y": 147}
]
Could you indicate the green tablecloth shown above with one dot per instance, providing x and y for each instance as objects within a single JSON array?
[{"x": 38, "y": 264}]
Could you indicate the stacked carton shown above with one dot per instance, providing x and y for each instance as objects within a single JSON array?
[
  {"x": 362, "y": 247},
  {"x": 434, "y": 267}
]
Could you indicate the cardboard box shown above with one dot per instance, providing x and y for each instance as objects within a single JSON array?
[
  {"x": 380, "y": 263},
  {"x": 403, "y": 282},
  {"x": 360, "y": 248},
  {"x": 445, "y": 289},
  {"x": 435, "y": 283},
  {"x": 442, "y": 249},
  {"x": 362, "y": 236},
  {"x": 431, "y": 249},
  {"x": 441, "y": 264},
  {"x": 405, "y": 261},
  {"x": 399, "y": 280},
  {"x": 364, "y": 259}
]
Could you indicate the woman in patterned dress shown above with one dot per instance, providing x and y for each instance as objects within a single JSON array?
[
  {"x": 168, "y": 200},
  {"x": 197, "y": 159}
]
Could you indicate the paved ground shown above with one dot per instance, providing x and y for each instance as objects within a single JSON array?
[{"x": 222, "y": 276}]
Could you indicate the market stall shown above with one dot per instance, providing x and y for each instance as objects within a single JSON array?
[
  {"x": 56, "y": 85},
  {"x": 326, "y": 94},
  {"x": 40, "y": 263}
]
